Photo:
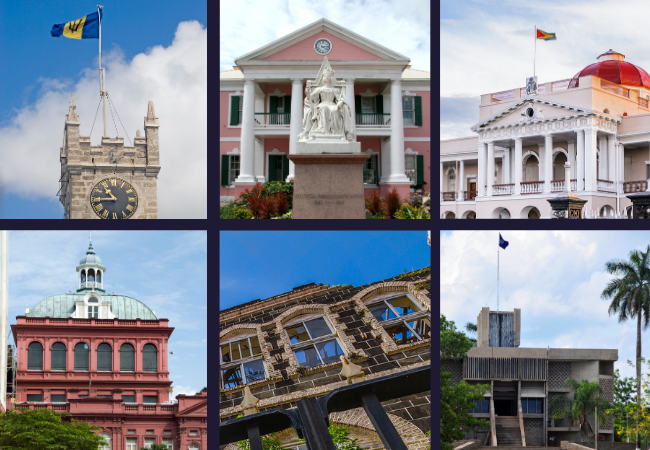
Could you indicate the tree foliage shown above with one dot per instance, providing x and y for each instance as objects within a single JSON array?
[
  {"x": 155, "y": 447},
  {"x": 456, "y": 399},
  {"x": 339, "y": 433},
  {"x": 44, "y": 429},
  {"x": 624, "y": 395}
]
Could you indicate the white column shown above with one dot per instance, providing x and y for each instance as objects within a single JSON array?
[
  {"x": 542, "y": 162},
  {"x": 490, "y": 168},
  {"x": 247, "y": 157},
  {"x": 441, "y": 180},
  {"x": 259, "y": 160},
  {"x": 296, "y": 121},
  {"x": 591, "y": 177},
  {"x": 461, "y": 180},
  {"x": 397, "y": 163},
  {"x": 480, "y": 177},
  {"x": 602, "y": 169},
  {"x": 349, "y": 97},
  {"x": 505, "y": 166},
  {"x": 621, "y": 168},
  {"x": 611, "y": 157},
  {"x": 385, "y": 160},
  {"x": 518, "y": 165},
  {"x": 580, "y": 160},
  {"x": 571, "y": 150},
  {"x": 548, "y": 161}
]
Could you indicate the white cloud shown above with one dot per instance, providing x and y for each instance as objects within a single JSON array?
[
  {"x": 173, "y": 77},
  {"x": 185, "y": 390},
  {"x": 402, "y": 26}
]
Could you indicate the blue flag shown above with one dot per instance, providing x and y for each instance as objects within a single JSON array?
[
  {"x": 502, "y": 243},
  {"x": 85, "y": 28}
]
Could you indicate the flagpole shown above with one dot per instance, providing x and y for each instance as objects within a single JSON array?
[
  {"x": 497, "y": 280},
  {"x": 102, "y": 80},
  {"x": 535, "y": 58}
]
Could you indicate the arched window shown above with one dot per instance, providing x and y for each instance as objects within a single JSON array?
[
  {"x": 404, "y": 319},
  {"x": 81, "y": 356},
  {"x": 193, "y": 447},
  {"x": 93, "y": 308},
  {"x": 35, "y": 356},
  {"x": 149, "y": 358},
  {"x": 107, "y": 438},
  {"x": 127, "y": 358},
  {"x": 104, "y": 358},
  {"x": 83, "y": 276},
  {"x": 99, "y": 276},
  {"x": 58, "y": 356},
  {"x": 241, "y": 356},
  {"x": 91, "y": 276},
  {"x": 313, "y": 341},
  {"x": 451, "y": 186}
]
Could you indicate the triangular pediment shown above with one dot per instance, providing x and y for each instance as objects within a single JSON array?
[
  {"x": 542, "y": 110},
  {"x": 198, "y": 409},
  {"x": 345, "y": 45}
]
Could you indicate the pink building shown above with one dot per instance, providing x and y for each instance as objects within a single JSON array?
[
  {"x": 103, "y": 358},
  {"x": 261, "y": 107}
]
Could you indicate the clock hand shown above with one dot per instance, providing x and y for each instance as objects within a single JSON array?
[{"x": 113, "y": 199}]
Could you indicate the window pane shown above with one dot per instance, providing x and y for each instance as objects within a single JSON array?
[
  {"x": 400, "y": 333},
  {"x": 380, "y": 312},
  {"x": 34, "y": 397},
  {"x": 407, "y": 103},
  {"x": 81, "y": 356},
  {"x": 58, "y": 356},
  {"x": 127, "y": 357},
  {"x": 297, "y": 334},
  {"x": 128, "y": 398},
  {"x": 231, "y": 377},
  {"x": 485, "y": 406},
  {"x": 254, "y": 371},
  {"x": 150, "y": 399},
  {"x": 308, "y": 357},
  {"x": 104, "y": 358},
  {"x": 318, "y": 328},
  {"x": 234, "y": 347},
  {"x": 422, "y": 327},
  {"x": 35, "y": 356},
  {"x": 56, "y": 398},
  {"x": 539, "y": 405},
  {"x": 225, "y": 353},
  {"x": 255, "y": 345},
  {"x": 245, "y": 349},
  {"x": 524, "y": 405},
  {"x": 149, "y": 358},
  {"x": 329, "y": 351},
  {"x": 404, "y": 305}
]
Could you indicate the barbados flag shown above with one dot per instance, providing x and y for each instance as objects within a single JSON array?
[
  {"x": 546, "y": 36},
  {"x": 85, "y": 28}
]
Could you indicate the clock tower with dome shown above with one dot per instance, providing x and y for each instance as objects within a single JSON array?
[{"x": 111, "y": 180}]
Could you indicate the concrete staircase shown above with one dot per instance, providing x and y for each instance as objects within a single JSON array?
[
  {"x": 519, "y": 447},
  {"x": 508, "y": 432}
]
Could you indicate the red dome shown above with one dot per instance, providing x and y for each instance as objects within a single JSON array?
[{"x": 619, "y": 72}]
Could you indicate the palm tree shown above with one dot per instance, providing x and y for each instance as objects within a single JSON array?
[
  {"x": 630, "y": 294},
  {"x": 587, "y": 396},
  {"x": 472, "y": 328}
]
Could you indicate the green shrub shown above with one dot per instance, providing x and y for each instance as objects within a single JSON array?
[
  {"x": 409, "y": 212},
  {"x": 233, "y": 211}
]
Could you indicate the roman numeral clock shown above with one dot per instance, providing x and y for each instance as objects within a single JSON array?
[{"x": 114, "y": 198}]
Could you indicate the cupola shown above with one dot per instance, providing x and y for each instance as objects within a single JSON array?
[{"x": 90, "y": 270}]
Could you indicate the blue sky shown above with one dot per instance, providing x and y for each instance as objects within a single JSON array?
[
  {"x": 151, "y": 51},
  {"x": 155, "y": 267},
  {"x": 492, "y": 49},
  {"x": 555, "y": 277},
  {"x": 261, "y": 264}
]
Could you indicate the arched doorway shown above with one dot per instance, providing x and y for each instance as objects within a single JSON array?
[
  {"x": 469, "y": 215},
  {"x": 559, "y": 158},
  {"x": 501, "y": 213},
  {"x": 448, "y": 215},
  {"x": 606, "y": 212},
  {"x": 530, "y": 212},
  {"x": 530, "y": 167}
]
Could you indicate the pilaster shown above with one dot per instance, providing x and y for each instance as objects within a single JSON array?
[
  {"x": 397, "y": 163},
  {"x": 490, "y": 168},
  {"x": 247, "y": 157}
]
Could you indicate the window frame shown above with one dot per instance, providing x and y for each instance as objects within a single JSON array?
[
  {"x": 233, "y": 173},
  {"x": 312, "y": 342},
  {"x": 103, "y": 351},
  {"x": 144, "y": 369},
  {"x": 63, "y": 402},
  {"x": 409, "y": 122},
  {"x": 374, "y": 168},
  {"x": 74, "y": 354},
  {"x": 421, "y": 314},
  {"x": 241, "y": 361},
  {"x": 28, "y": 351},
  {"x": 134, "y": 357},
  {"x": 65, "y": 357},
  {"x": 414, "y": 171}
]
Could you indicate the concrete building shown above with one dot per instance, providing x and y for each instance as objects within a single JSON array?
[
  {"x": 288, "y": 347},
  {"x": 524, "y": 381},
  {"x": 103, "y": 358},
  {"x": 598, "y": 121},
  {"x": 131, "y": 171},
  {"x": 261, "y": 104}
]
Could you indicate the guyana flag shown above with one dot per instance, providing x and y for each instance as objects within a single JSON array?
[{"x": 546, "y": 36}]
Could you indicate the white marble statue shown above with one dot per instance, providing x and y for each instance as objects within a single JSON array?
[{"x": 327, "y": 115}]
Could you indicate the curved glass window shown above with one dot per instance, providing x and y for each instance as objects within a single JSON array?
[
  {"x": 149, "y": 358},
  {"x": 35, "y": 356},
  {"x": 104, "y": 358},
  {"x": 313, "y": 342},
  {"x": 403, "y": 319},
  {"x": 81, "y": 356},
  {"x": 107, "y": 438},
  {"x": 58, "y": 356},
  {"x": 83, "y": 276},
  {"x": 99, "y": 276},
  {"x": 241, "y": 362},
  {"x": 127, "y": 358},
  {"x": 91, "y": 276}
]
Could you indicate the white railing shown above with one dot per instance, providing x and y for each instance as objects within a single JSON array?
[
  {"x": 503, "y": 189},
  {"x": 558, "y": 185},
  {"x": 605, "y": 185},
  {"x": 532, "y": 187}
]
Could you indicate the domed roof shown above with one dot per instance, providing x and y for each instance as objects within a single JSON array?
[
  {"x": 62, "y": 306},
  {"x": 90, "y": 257},
  {"x": 611, "y": 66}
]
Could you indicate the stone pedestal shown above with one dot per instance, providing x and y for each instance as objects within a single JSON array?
[
  {"x": 328, "y": 186},
  {"x": 567, "y": 207},
  {"x": 640, "y": 205}
]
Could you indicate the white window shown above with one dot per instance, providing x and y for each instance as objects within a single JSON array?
[
  {"x": 107, "y": 438},
  {"x": 193, "y": 447},
  {"x": 313, "y": 342},
  {"x": 402, "y": 317},
  {"x": 241, "y": 362},
  {"x": 93, "y": 308},
  {"x": 368, "y": 111},
  {"x": 411, "y": 168},
  {"x": 148, "y": 442},
  {"x": 169, "y": 443},
  {"x": 370, "y": 170},
  {"x": 131, "y": 444},
  {"x": 233, "y": 171},
  {"x": 408, "y": 106},
  {"x": 194, "y": 432},
  {"x": 148, "y": 432}
]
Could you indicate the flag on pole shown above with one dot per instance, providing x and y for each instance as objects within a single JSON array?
[
  {"x": 85, "y": 28},
  {"x": 546, "y": 36},
  {"x": 502, "y": 242}
]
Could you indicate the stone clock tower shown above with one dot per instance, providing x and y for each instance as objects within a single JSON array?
[{"x": 111, "y": 180}]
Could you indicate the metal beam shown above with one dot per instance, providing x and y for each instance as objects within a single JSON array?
[
  {"x": 254, "y": 438},
  {"x": 317, "y": 436},
  {"x": 383, "y": 426}
]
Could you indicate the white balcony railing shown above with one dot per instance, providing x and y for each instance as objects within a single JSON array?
[
  {"x": 503, "y": 189},
  {"x": 558, "y": 185},
  {"x": 607, "y": 186},
  {"x": 532, "y": 187}
]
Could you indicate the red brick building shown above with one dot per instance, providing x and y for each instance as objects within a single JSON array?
[{"x": 103, "y": 358}]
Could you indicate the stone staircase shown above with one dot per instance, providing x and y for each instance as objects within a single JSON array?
[
  {"x": 515, "y": 447},
  {"x": 508, "y": 432}
]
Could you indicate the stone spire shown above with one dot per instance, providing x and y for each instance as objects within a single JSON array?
[
  {"x": 72, "y": 112},
  {"x": 249, "y": 405},
  {"x": 351, "y": 371},
  {"x": 151, "y": 120}
]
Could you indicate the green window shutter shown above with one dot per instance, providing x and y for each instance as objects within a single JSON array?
[
  {"x": 272, "y": 167},
  {"x": 380, "y": 104},
  {"x": 285, "y": 167},
  {"x": 376, "y": 162},
  {"x": 418, "y": 111},
  {"x": 357, "y": 104},
  {"x": 234, "y": 110},
  {"x": 274, "y": 105},
  {"x": 287, "y": 104},
  {"x": 420, "y": 171},
  {"x": 224, "y": 170}
]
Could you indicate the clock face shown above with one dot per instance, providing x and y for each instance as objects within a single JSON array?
[
  {"x": 114, "y": 198},
  {"x": 323, "y": 46}
]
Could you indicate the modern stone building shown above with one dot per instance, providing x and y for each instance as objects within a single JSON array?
[
  {"x": 130, "y": 171},
  {"x": 288, "y": 347},
  {"x": 524, "y": 381}
]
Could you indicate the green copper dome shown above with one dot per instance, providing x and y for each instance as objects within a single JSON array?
[
  {"x": 62, "y": 306},
  {"x": 90, "y": 257}
]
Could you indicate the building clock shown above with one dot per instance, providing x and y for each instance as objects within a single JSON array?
[
  {"x": 114, "y": 198},
  {"x": 323, "y": 46}
]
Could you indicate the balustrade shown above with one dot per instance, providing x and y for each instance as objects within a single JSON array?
[
  {"x": 558, "y": 185},
  {"x": 503, "y": 189},
  {"x": 469, "y": 195},
  {"x": 448, "y": 196},
  {"x": 371, "y": 119},
  {"x": 635, "y": 186},
  {"x": 272, "y": 119},
  {"x": 606, "y": 186},
  {"x": 532, "y": 187}
]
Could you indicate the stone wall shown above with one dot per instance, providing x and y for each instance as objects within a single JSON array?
[
  {"x": 558, "y": 372},
  {"x": 534, "y": 430},
  {"x": 601, "y": 445}
]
